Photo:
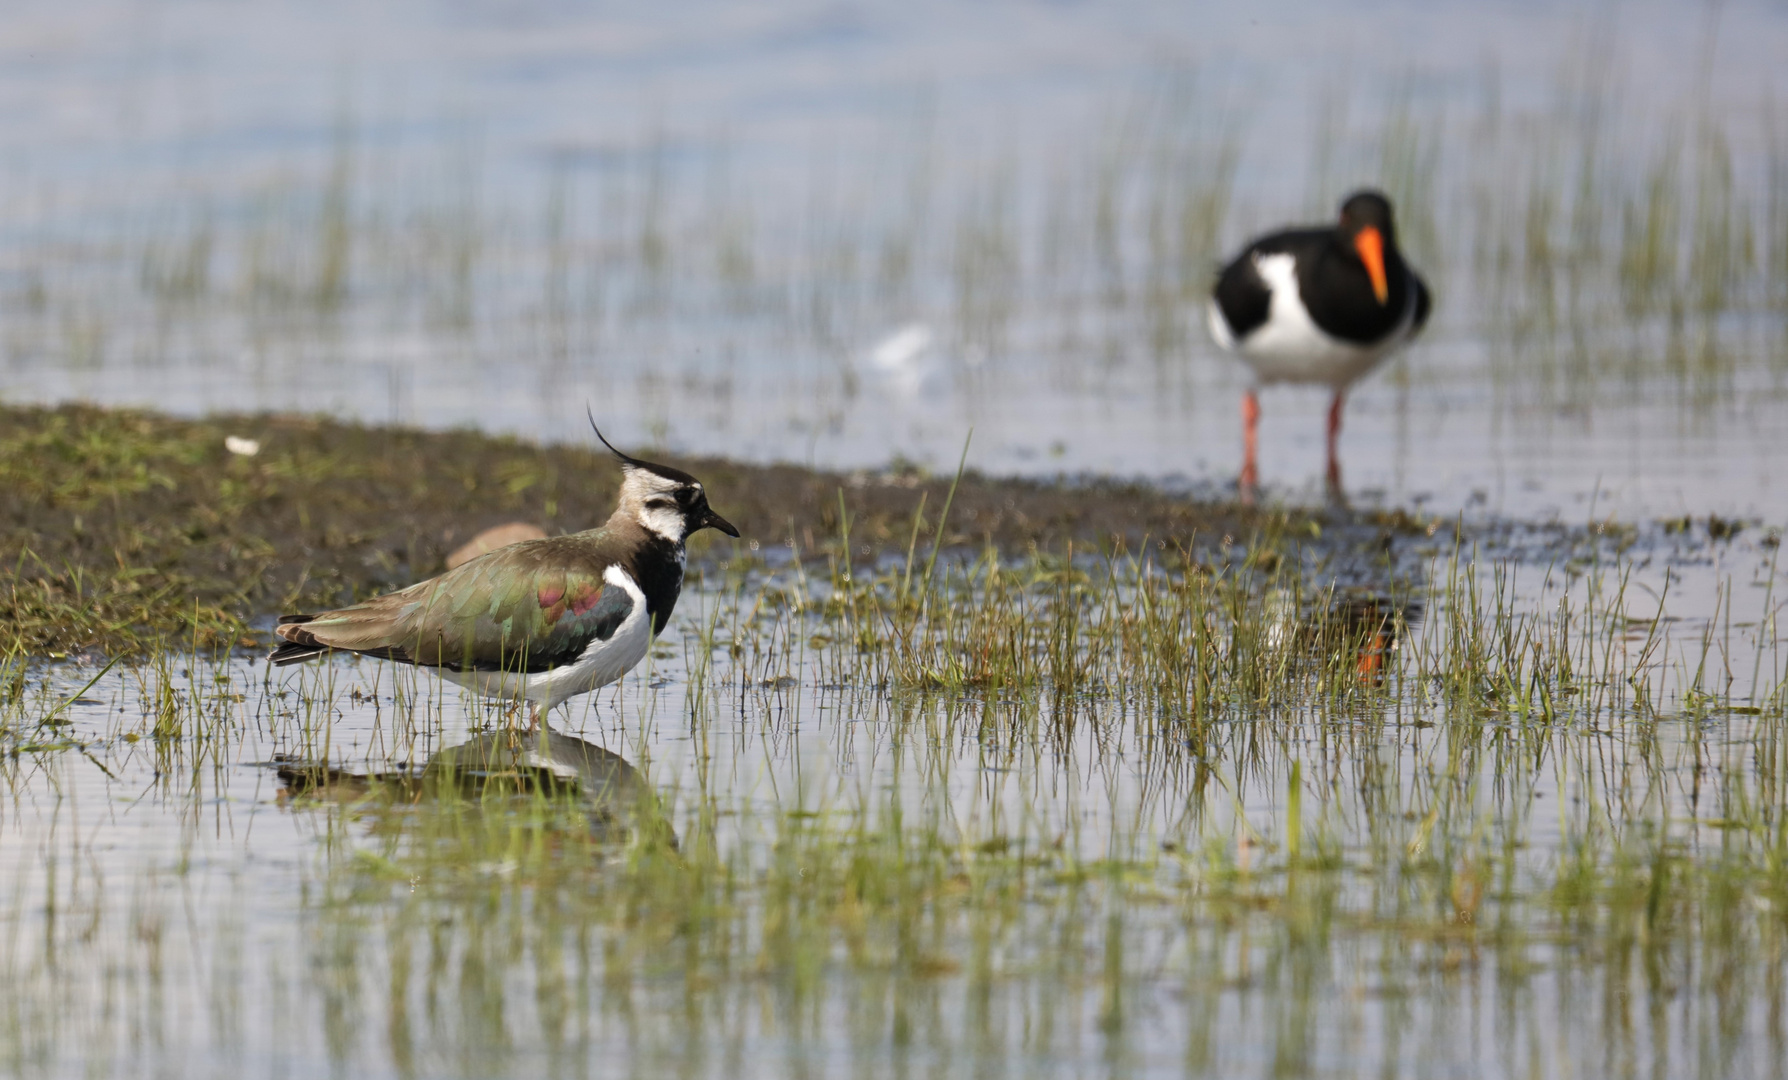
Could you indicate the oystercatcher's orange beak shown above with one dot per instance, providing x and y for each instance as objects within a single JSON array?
[{"x": 1369, "y": 242}]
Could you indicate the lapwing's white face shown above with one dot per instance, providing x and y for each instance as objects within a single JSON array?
[
  {"x": 658, "y": 502},
  {"x": 670, "y": 506}
]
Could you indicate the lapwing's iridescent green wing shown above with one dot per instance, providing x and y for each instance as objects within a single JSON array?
[{"x": 526, "y": 607}]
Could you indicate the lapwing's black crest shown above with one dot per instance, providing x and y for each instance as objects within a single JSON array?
[{"x": 630, "y": 461}]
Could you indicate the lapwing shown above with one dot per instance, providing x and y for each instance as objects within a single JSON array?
[
  {"x": 1317, "y": 305},
  {"x": 539, "y": 621}
]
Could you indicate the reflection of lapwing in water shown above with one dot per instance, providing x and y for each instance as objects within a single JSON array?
[
  {"x": 608, "y": 790},
  {"x": 540, "y": 621},
  {"x": 1317, "y": 305}
]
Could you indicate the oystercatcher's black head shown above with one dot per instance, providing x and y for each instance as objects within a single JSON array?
[
  {"x": 1367, "y": 208},
  {"x": 1366, "y": 228}
]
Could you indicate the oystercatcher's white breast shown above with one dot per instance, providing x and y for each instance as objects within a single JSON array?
[{"x": 1290, "y": 347}]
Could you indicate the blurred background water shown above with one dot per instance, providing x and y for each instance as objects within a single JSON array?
[{"x": 838, "y": 234}]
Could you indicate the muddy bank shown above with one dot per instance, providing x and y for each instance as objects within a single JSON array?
[{"x": 121, "y": 528}]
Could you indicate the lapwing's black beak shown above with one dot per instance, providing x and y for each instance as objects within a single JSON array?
[{"x": 715, "y": 521}]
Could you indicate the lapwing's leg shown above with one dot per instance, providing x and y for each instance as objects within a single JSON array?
[
  {"x": 1250, "y": 444},
  {"x": 1334, "y": 438},
  {"x": 512, "y": 712}
]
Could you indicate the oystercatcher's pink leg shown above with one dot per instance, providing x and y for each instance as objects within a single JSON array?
[
  {"x": 1334, "y": 438},
  {"x": 1250, "y": 444}
]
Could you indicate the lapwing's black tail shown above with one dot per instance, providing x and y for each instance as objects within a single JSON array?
[
  {"x": 299, "y": 645},
  {"x": 290, "y": 652}
]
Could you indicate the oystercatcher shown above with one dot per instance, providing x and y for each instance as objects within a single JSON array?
[
  {"x": 540, "y": 621},
  {"x": 1317, "y": 305}
]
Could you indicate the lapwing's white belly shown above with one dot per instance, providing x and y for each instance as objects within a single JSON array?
[
  {"x": 602, "y": 662},
  {"x": 1290, "y": 347}
]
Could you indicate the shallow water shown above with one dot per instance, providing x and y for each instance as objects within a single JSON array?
[{"x": 217, "y": 868}]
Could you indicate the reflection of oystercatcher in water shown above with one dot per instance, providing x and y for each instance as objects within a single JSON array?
[
  {"x": 1369, "y": 628},
  {"x": 1319, "y": 305},
  {"x": 1353, "y": 628}
]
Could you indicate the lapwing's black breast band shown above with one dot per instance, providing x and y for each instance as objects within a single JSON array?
[{"x": 656, "y": 566}]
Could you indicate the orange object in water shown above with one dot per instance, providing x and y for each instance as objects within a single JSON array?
[{"x": 1372, "y": 657}]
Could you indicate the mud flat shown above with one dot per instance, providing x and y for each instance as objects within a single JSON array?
[{"x": 121, "y": 526}]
